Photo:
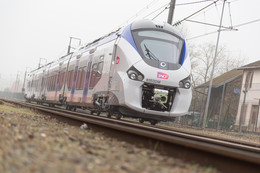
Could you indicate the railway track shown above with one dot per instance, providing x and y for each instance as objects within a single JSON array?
[{"x": 225, "y": 155}]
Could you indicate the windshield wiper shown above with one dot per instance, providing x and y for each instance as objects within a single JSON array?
[{"x": 150, "y": 54}]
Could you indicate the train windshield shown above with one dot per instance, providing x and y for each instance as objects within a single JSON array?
[{"x": 158, "y": 46}]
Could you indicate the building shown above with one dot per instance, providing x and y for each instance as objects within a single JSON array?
[
  {"x": 224, "y": 99},
  {"x": 249, "y": 99}
]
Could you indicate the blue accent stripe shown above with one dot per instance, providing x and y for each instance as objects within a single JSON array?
[
  {"x": 85, "y": 91},
  {"x": 57, "y": 83},
  {"x": 127, "y": 34},
  {"x": 184, "y": 53}
]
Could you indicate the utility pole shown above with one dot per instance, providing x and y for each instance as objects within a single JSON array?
[
  {"x": 243, "y": 109},
  {"x": 212, "y": 72},
  {"x": 171, "y": 11}
]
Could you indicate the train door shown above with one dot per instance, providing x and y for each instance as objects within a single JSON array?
[
  {"x": 46, "y": 82},
  {"x": 96, "y": 71},
  {"x": 87, "y": 79},
  {"x": 114, "y": 60},
  {"x": 58, "y": 81},
  {"x": 74, "y": 76},
  {"x": 42, "y": 84},
  {"x": 32, "y": 86}
]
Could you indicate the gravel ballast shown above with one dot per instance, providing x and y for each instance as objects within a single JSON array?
[{"x": 33, "y": 142}]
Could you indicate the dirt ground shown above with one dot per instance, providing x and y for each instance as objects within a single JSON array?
[{"x": 32, "y": 142}]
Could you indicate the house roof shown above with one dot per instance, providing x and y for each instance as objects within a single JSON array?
[
  {"x": 252, "y": 65},
  {"x": 224, "y": 78}
]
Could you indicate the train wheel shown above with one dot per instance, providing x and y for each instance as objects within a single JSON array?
[
  {"x": 153, "y": 122},
  {"x": 118, "y": 116},
  {"x": 109, "y": 114},
  {"x": 141, "y": 120}
]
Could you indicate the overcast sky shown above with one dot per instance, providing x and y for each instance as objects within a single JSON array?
[{"x": 34, "y": 29}]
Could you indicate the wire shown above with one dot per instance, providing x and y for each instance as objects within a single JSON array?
[
  {"x": 138, "y": 13},
  {"x": 243, "y": 24},
  {"x": 141, "y": 11},
  {"x": 230, "y": 14},
  {"x": 203, "y": 35},
  {"x": 196, "y": 12},
  {"x": 190, "y": 3},
  {"x": 254, "y": 21},
  {"x": 160, "y": 13},
  {"x": 164, "y": 6},
  {"x": 208, "y": 24},
  {"x": 215, "y": 7}
]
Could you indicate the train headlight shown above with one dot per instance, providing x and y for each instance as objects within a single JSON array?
[
  {"x": 185, "y": 83},
  {"x": 140, "y": 77},
  {"x": 134, "y": 74}
]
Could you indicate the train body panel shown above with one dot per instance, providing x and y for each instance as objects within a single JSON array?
[{"x": 141, "y": 71}]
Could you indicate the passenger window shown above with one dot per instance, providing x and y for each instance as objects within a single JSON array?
[
  {"x": 81, "y": 78},
  {"x": 70, "y": 79},
  {"x": 100, "y": 67},
  {"x": 94, "y": 67}
]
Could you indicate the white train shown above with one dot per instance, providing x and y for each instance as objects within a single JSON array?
[{"x": 140, "y": 71}]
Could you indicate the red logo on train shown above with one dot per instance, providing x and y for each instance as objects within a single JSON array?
[{"x": 162, "y": 75}]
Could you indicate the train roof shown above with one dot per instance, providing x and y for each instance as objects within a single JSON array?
[{"x": 139, "y": 24}]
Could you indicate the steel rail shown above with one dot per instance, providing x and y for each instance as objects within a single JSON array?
[{"x": 239, "y": 152}]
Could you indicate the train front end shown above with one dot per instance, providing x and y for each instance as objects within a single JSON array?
[{"x": 156, "y": 84}]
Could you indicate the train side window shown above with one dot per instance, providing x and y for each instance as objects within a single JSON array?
[
  {"x": 100, "y": 67},
  {"x": 68, "y": 78},
  {"x": 47, "y": 82},
  {"x": 81, "y": 78},
  {"x": 70, "y": 81},
  {"x": 84, "y": 73},
  {"x": 93, "y": 76},
  {"x": 52, "y": 81},
  {"x": 94, "y": 67},
  {"x": 42, "y": 82},
  {"x": 61, "y": 79},
  {"x": 78, "y": 78},
  {"x": 55, "y": 82}
]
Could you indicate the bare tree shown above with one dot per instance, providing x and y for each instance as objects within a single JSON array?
[
  {"x": 202, "y": 61},
  {"x": 205, "y": 59},
  {"x": 230, "y": 63},
  {"x": 194, "y": 64}
]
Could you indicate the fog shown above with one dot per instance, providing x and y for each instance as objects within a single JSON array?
[{"x": 34, "y": 31}]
